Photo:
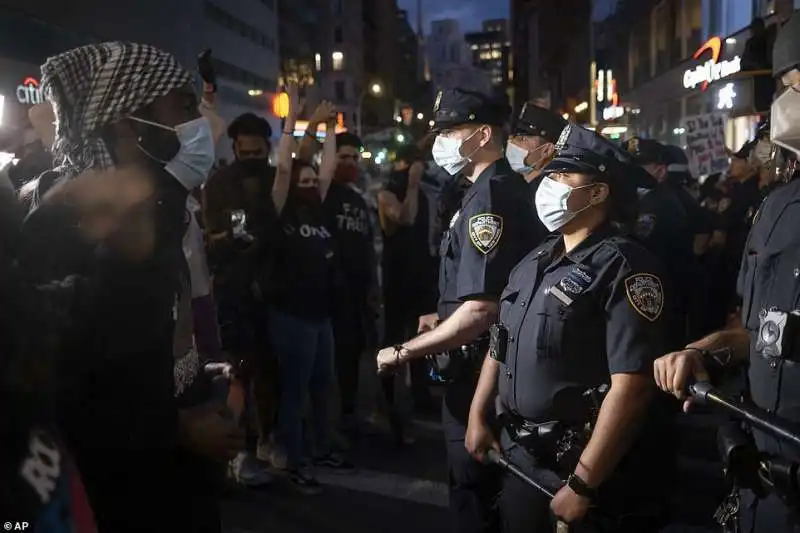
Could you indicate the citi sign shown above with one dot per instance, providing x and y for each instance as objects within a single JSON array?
[
  {"x": 29, "y": 92},
  {"x": 713, "y": 69}
]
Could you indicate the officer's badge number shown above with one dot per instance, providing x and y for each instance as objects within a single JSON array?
[
  {"x": 646, "y": 295},
  {"x": 485, "y": 231}
]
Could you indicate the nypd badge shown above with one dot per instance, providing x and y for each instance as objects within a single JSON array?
[
  {"x": 646, "y": 295},
  {"x": 562, "y": 139},
  {"x": 485, "y": 231},
  {"x": 644, "y": 226}
]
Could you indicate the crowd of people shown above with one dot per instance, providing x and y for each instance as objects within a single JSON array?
[{"x": 171, "y": 322}]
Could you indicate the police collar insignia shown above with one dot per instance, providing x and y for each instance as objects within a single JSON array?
[
  {"x": 562, "y": 139},
  {"x": 572, "y": 285},
  {"x": 438, "y": 101},
  {"x": 646, "y": 295},
  {"x": 644, "y": 226},
  {"x": 485, "y": 231}
]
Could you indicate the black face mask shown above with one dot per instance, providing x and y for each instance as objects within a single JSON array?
[
  {"x": 306, "y": 196},
  {"x": 254, "y": 166}
]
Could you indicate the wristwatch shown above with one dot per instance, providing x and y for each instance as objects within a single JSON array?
[{"x": 580, "y": 487}]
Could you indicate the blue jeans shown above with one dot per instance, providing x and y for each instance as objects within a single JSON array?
[{"x": 304, "y": 348}]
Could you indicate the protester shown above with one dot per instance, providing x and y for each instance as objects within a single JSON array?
[{"x": 111, "y": 225}]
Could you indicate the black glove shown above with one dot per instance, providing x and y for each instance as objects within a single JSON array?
[{"x": 206, "y": 69}]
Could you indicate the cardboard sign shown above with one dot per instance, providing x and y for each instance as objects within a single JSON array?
[{"x": 705, "y": 143}]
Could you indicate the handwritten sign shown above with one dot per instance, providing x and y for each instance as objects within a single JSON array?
[{"x": 705, "y": 143}]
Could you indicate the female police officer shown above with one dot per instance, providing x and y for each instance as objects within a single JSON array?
[{"x": 584, "y": 309}]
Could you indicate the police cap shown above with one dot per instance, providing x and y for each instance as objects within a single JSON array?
[
  {"x": 585, "y": 152},
  {"x": 646, "y": 151},
  {"x": 675, "y": 159},
  {"x": 538, "y": 121},
  {"x": 786, "y": 50},
  {"x": 456, "y": 107}
]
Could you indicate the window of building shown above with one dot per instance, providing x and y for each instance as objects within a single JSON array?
[
  {"x": 229, "y": 22},
  {"x": 485, "y": 46},
  {"x": 338, "y": 60},
  {"x": 337, "y": 35},
  {"x": 474, "y": 47},
  {"x": 496, "y": 46},
  {"x": 339, "y": 90}
]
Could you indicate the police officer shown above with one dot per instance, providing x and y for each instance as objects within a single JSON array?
[
  {"x": 663, "y": 225},
  {"x": 585, "y": 309},
  {"x": 769, "y": 283},
  {"x": 532, "y": 143},
  {"x": 494, "y": 228}
]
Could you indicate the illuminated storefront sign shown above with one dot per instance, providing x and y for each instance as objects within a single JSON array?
[
  {"x": 29, "y": 92},
  {"x": 713, "y": 69},
  {"x": 726, "y": 97}
]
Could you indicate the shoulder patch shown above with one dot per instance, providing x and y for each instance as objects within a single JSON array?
[
  {"x": 644, "y": 226},
  {"x": 485, "y": 231},
  {"x": 646, "y": 295},
  {"x": 723, "y": 205}
]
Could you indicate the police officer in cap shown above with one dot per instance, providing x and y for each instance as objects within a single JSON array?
[
  {"x": 493, "y": 229},
  {"x": 663, "y": 225},
  {"x": 769, "y": 284},
  {"x": 581, "y": 321},
  {"x": 532, "y": 143}
]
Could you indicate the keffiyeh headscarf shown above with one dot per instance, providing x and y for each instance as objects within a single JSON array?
[{"x": 100, "y": 84}]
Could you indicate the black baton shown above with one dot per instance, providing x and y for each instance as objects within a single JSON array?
[{"x": 511, "y": 468}]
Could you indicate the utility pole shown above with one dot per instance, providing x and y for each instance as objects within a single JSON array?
[{"x": 592, "y": 69}]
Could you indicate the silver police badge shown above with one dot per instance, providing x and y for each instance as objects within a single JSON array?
[
  {"x": 646, "y": 295},
  {"x": 562, "y": 139},
  {"x": 485, "y": 231},
  {"x": 438, "y": 102},
  {"x": 772, "y": 323}
]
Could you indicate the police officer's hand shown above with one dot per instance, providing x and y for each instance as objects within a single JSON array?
[
  {"x": 569, "y": 507},
  {"x": 428, "y": 322},
  {"x": 673, "y": 371},
  {"x": 480, "y": 439},
  {"x": 387, "y": 359}
]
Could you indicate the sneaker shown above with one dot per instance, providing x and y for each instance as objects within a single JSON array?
[
  {"x": 334, "y": 462},
  {"x": 304, "y": 482},
  {"x": 271, "y": 453},
  {"x": 246, "y": 471}
]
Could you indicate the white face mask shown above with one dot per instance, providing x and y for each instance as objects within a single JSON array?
[
  {"x": 515, "y": 155},
  {"x": 785, "y": 121},
  {"x": 446, "y": 153},
  {"x": 551, "y": 203},
  {"x": 195, "y": 158}
]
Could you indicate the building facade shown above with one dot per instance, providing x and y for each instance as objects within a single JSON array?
[
  {"x": 490, "y": 51},
  {"x": 234, "y": 30}
]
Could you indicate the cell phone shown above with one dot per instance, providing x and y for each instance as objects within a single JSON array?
[{"x": 239, "y": 225}]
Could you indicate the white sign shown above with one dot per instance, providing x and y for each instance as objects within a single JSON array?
[
  {"x": 726, "y": 97},
  {"x": 613, "y": 112},
  {"x": 711, "y": 71},
  {"x": 705, "y": 143},
  {"x": 29, "y": 92}
]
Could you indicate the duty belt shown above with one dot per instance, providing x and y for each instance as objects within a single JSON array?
[{"x": 447, "y": 367}]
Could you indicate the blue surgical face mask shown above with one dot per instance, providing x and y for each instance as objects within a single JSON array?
[
  {"x": 515, "y": 155},
  {"x": 195, "y": 158},
  {"x": 551, "y": 203}
]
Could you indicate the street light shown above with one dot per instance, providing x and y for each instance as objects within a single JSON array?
[
  {"x": 420, "y": 116},
  {"x": 375, "y": 89}
]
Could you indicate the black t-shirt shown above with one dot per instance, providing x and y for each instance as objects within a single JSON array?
[
  {"x": 347, "y": 217},
  {"x": 305, "y": 272},
  {"x": 407, "y": 264}
]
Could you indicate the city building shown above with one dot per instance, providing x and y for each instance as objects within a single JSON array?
[
  {"x": 305, "y": 49},
  {"x": 234, "y": 30},
  {"x": 408, "y": 76},
  {"x": 450, "y": 58},
  {"x": 490, "y": 51},
  {"x": 550, "y": 52},
  {"x": 381, "y": 64},
  {"x": 344, "y": 85},
  {"x": 675, "y": 59}
]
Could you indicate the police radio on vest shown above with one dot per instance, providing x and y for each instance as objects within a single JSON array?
[{"x": 29, "y": 92}]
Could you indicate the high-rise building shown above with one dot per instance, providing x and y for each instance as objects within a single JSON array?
[
  {"x": 408, "y": 76},
  {"x": 491, "y": 52},
  {"x": 241, "y": 33},
  {"x": 344, "y": 85},
  {"x": 450, "y": 58},
  {"x": 381, "y": 55}
]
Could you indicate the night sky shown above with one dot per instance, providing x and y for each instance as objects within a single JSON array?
[{"x": 470, "y": 13}]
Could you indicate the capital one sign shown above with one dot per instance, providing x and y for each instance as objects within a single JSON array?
[
  {"x": 28, "y": 92},
  {"x": 712, "y": 69}
]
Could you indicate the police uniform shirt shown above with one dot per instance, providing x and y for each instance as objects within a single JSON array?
[
  {"x": 769, "y": 280},
  {"x": 348, "y": 218},
  {"x": 573, "y": 320},
  {"x": 494, "y": 228}
]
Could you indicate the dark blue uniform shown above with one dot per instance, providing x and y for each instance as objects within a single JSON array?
[
  {"x": 769, "y": 285},
  {"x": 575, "y": 319},
  {"x": 493, "y": 229}
]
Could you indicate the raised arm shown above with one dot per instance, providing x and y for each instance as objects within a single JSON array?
[
  {"x": 328, "y": 165},
  {"x": 309, "y": 144},
  {"x": 283, "y": 173}
]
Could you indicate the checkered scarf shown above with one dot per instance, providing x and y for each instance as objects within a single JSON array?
[{"x": 96, "y": 85}]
